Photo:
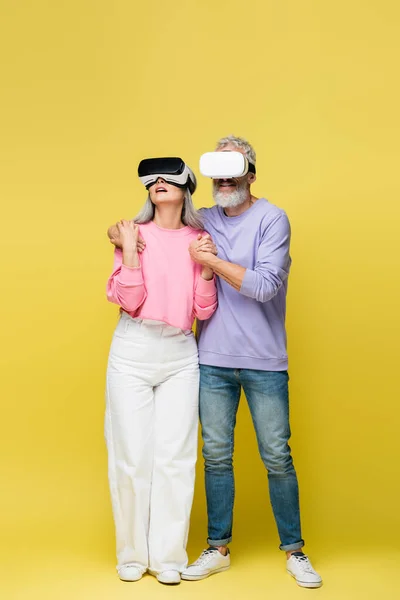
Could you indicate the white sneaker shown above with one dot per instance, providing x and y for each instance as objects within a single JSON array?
[
  {"x": 130, "y": 572},
  {"x": 210, "y": 561},
  {"x": 299, "y": 567},
  {"x": 169, "y": 577}
]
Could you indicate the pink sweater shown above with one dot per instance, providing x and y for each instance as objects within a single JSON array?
[{"x": 167, "y": 286}]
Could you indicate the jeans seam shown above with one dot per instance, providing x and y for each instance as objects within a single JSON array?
[{"x": 232, "y": 450}]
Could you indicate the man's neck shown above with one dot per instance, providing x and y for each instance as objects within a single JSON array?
[{"x": 234, "y": 211}]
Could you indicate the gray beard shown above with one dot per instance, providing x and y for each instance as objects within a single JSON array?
[{"x": 236, "y": 198}]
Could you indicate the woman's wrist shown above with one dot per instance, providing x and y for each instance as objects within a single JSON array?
[
  {"x": 130, "y": 257},
  {"x": 207, "y": 273}
]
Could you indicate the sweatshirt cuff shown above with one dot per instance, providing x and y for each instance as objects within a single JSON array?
[
  {"x": 131, "y": 276},
  {"x": 205, "y": 287},
  {"x": 249, "y": 283}
]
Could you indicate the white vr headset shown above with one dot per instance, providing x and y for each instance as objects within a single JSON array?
[{"x": 225, "y": 165}]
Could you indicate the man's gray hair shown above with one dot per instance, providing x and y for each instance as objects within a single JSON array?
[
  {"x": 190, "y": 216},
  {"x": 239, "y": 143}
]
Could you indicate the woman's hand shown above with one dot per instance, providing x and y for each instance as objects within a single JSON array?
[
  {"x": 128, "y": 235},
  {"x": 206, "y": 244},
  {"x": 115, "y": 238},
  {"x": 201, "y": 250}
]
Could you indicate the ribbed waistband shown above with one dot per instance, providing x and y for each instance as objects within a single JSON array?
[{"x": 156, "y": 327}]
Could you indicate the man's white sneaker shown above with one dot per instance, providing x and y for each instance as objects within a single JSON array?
[
  {"x": 130, "y": 572},
  {"x": 169, "y": 577},
  {"x": 298, "y": 566},
  {"x": 210, "y": 561}
]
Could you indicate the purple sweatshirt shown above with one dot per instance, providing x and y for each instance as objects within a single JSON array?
[{"x": 247, "y": 331}]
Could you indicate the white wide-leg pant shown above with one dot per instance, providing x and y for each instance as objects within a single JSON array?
[{"x": 151, "y": 433}]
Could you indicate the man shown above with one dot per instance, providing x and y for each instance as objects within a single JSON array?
[{"x": 243, "y": 346}]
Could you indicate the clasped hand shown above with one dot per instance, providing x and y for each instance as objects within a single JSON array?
[
  {"x": 201, "y": 249},
  {"x": 125, "y": 235}
]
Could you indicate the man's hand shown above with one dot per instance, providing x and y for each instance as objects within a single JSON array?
[
  {"x": 201, "y": 250},
  {"x": 115, "y": 238},
  {"x": 230, "y": 272},
  {"x": 206, "y": 244},
  {"x": 113, "y": 234},
  {"x": 198, "y": 256}
]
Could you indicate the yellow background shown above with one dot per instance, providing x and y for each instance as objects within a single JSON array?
[{"x": 88, "y": 88}]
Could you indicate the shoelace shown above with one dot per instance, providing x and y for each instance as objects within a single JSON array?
[
  {"x": 204, "y": 557},
  {"x": 304, "y": 564}
]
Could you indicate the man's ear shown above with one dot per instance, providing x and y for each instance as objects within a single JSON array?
[{"x": 251, "y": 177}]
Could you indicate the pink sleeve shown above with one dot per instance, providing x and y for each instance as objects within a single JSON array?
[
  {"x": 205, "y": 298},
  {"x": 125, "y": 286}
]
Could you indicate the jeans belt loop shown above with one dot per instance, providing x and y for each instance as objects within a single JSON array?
[{"x": 126, "y": 325}]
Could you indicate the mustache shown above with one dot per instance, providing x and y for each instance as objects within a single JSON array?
[{"x": 230, "y": 181}]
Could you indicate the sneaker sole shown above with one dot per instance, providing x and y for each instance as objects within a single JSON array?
[
  {"x": 199, "y": 577},
  {"x": 305, "y": 584}
]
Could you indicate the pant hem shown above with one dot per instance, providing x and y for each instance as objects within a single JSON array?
[
  {"x": 219, "y": 542},
  {"x": 139, "y": 566},
  {"x": 156, "y": 572},
  {"x": 290, "y": 547}
]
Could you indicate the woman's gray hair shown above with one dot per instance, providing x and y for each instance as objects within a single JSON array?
[
  {"x": 190, "y": 216},
  {"x": 239, "y": 143}
]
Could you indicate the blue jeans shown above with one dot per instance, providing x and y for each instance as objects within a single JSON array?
[{"x": 267, "y": 395}]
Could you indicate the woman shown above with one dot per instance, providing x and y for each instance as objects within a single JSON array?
[{"x": 153, "y": 374}]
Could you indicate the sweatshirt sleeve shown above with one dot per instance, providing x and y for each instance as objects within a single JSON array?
[
  {"x": 205, "y": 297},
  {"x": 272, "y": 262},
  {"x": 125, "y": 286}
]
